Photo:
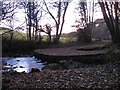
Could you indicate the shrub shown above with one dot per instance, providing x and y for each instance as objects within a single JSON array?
[
  {"x": 112, "y": 55},
  {"x": 84, "y": 35},
  {"x": 17, "y": 45}
]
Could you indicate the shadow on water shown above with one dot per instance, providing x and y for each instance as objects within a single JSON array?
[{"x": 22, "y": 64}]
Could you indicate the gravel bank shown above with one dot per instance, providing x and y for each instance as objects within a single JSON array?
[{"x": 102, "y": 77}]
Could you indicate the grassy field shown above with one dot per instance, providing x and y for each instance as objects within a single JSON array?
[
  {"x": 16, "y": 35},
  {"x": 21, "y": 43}
]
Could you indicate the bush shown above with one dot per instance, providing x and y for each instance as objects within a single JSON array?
[
  {"x": 17, "y": 45},
  {"x": 84, "y": 35},
  {"x": 112, "y": 56}
]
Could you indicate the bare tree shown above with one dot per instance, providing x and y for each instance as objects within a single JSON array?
[
  {"x": 61, "y": 7},
  {"x": 111, "y": 11},
  {"x": 47, "y": 28},
  {"x": 33, "y": 13},
  {"x": 8, "y": 15},
  {"x": 86, "y": 12},
  {"x": 7, "y": 9}
]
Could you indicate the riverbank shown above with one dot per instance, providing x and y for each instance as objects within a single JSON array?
[
  {"x": 82, "y": 53},
  {"x": 102, "y": 77}
]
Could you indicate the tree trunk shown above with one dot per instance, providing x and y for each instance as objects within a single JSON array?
[
  {"x": 56, "y": 39},
  {"x": 58, "y": 22},
  {"x": 29, "y": 20},
  {"x": 36, "y": 29},
  {"x": 117, "y": 22},
  {"x": 30, "y": 32},
  {"x": 107, "y": 20}
]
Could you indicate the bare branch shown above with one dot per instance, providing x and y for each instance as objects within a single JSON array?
[{"x": 50, "y": 12}]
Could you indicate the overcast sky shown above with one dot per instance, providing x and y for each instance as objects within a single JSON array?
[{"x": 70, "y": 18}]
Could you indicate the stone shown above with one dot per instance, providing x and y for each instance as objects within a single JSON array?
[
  {"x": 21, "y": 67},
  {"x": 35, "y": 70},
  {"x": 69, "y": 64},
  {"x": 52, "y": 66}
]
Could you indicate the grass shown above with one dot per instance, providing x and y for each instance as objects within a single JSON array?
[
  {"x": 16, "y": 35},
  {"x": 20, "y": 42},
  {"x": 67, "y": 40}
]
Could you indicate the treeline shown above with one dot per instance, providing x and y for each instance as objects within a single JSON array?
[{"x": 35, "y": 10}]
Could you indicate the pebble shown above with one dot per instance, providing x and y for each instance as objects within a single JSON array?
[{"x": 103, "y": 77}]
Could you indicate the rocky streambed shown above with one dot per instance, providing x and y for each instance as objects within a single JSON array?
[{"x": 82, "y": 77}]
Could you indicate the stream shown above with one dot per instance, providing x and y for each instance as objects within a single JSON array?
[{"x": 21, "y": 64}]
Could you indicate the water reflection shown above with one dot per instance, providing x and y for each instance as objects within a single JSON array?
[{"x": 21, "y": 64}]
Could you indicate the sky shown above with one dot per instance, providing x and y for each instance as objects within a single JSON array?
[{"x": 70, "y": 18}]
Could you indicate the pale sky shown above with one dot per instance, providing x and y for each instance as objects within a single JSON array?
[{"x": 70, "y": 18}]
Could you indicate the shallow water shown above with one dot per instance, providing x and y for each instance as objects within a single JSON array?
[{"x": 21, "y": 64}]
